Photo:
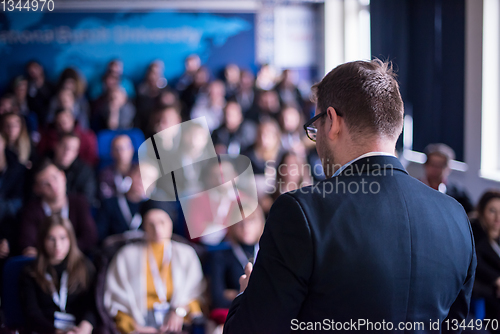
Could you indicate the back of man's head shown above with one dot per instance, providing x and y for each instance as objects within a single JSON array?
[{"x": 366, "y": 94}]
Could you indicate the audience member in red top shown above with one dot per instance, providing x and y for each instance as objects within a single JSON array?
[
  {"x": 65, "y": 123},
  {"x": 50, "y": 187}
]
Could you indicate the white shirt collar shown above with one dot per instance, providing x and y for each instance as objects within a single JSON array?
[{"x": 366, "y": 155}]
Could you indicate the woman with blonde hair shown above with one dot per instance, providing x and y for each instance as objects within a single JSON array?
[
  {"x": 57, "y": 288},
  {"x": 15, "y": 131}
]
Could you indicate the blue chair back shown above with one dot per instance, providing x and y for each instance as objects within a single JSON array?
[
  {"x": 11, "y": 304},
  {"x": 105, "y": 137}
]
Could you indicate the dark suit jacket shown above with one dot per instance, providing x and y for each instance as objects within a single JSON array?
[{"x": 398, "y": 252}]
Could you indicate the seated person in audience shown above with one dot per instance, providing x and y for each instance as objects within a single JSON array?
[
  {"x": 231, "y": 79},
  {"x": 246, "y": 92},
  {"x": 20, "y": 89},
  {"x": 79, "y": 176},
  {"x": 266, "y": 77},
  {"x": 292, "y": 173},
  {"x": 116, "y": 114},
  {"x": 148, "y": 92},
  {"x": 56, "y": 290},
  {"x": 486, "y": 229},
  {"x": 50, "y": 187},
  {"x": 191, "y": 65},
  {"x": 189, "y": 95},
  {"x": 228, "y": 265},
  {"x": 164, "y": 118},
  {"x": 292, "y": 132},
  {"x": 39, "y": 91},
  {"x": 121, "y": 213},
  {"x": 156, "y": 283},
  {"x": 265, "y": 155},
  {"x": 267, "y": 105},
  {"x": 111, "y": 178},
  {"x": 14, "y": 129},
  {"x": 115, "y": 69},
  {"x": 210, "y": 104},
  {"x": 235, "y": 134},
  {"x": 65, "y": 123},
  {"x": 437, "y": 169},
  {"x": 71, "y": 95},
  {"x": 287, "y": 90},
  {"x": 12, "y": 174}
]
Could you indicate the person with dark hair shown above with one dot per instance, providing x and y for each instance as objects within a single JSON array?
[
  {"x": 112, "y": 178},
  {"x": 39, "y": 91},
  {"x": 80, "y": 178},
  {"x": 50, "y": 187},
  {"x": 117, "y": 113},
  {"x": 12, "y": 179},
  {"x": 437, "y": 169},
  {"x": 246, "y": 91},
  {"x": 20, "y": 89},
  {"x": 161, "y": 293},
  {"x": 287, "y": 90},
  {"x": 198, "y": 86},
  {"x": 232, "y": 77},
  {"x": 210, "y": 104},
  {"x": 163, "y": 118},
  {"x": 486, "y": 230},
  {"x": 191, "y": 64},
  {"x": 236, "y": 134},
  {"x": 121, "y": 213},
  {"x": 114, "y": 72},
  {"x": 64, "y": 123},
  {"x": 71, "y": 95},
  {"x": 267, "y": 105},
  {"x": 226, "y": 266},
  {"x": 149, "y": 90},
  {"x": 56, "y": 290},
  {"x": 369, "y": 242},
  {"x": 14, "y": 129}
]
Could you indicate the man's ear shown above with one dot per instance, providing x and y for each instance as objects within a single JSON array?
[{"x": 334, "y": 122}]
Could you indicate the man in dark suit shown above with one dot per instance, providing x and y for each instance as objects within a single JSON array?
[{"x": 369, "y": 249}]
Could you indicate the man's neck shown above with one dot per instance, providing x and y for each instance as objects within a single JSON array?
[{"x": 353, "y": 152}]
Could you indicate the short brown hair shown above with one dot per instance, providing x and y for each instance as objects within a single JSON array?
[{"x": 366, "y": 94}]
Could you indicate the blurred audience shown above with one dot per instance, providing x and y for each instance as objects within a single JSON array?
[
  {"x": 50, "y": 187},
  {"x": 64, "y": 123},
  {"x": 287, "y": 90},
  {"x": 162, "y": 294},
  {"x": 486, "y": 229},
  {"x": 112, "y": 179},
  {"x": 290, "y": 120},
  {"x": 231, "y": 79},
  {"x": 120, "y": 213},
  {"x": 149, "y": 90},
  {"x": 116, "y": 112},
  {"x": 267, "y": 106},
  {"x": 39, "y": 91},
  {"x": 70, "y": 95},
  {"x": 191, "y": 66},
  {"x": 437, "y": 169},
  {"x": 56, "y": 289},
  {"x": 211, "y": 105},
  {"x": 13, "y": 127},
  {"x": 246, "y": 91},
  {"x": 12, "y": 178},
  {"x": 80, "y": 178},
  {"x": 113, "y": 78},
  {"x": 235, "y": 134}
]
